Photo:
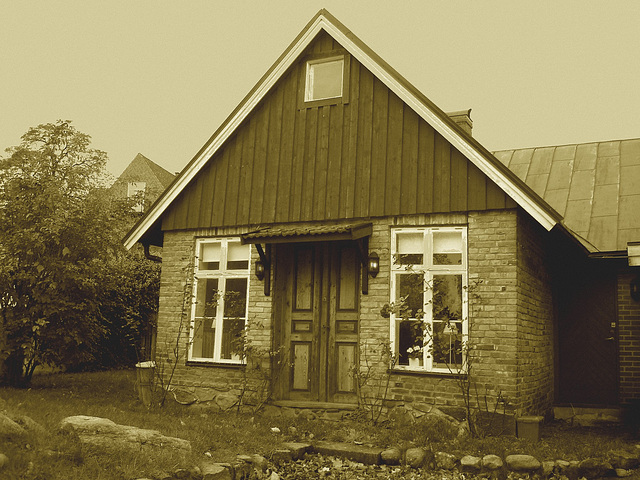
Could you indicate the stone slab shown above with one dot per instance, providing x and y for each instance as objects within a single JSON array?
[
  {"x": 297, "y": 449},
  {"x": 356, "y": 453}
]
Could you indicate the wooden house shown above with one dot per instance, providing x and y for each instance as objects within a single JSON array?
[{"x": 336, "y": 189}]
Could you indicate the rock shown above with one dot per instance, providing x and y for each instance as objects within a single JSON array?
[
  {"x": 621, "y": 472},
  {"x": 28, "y": 424},
  {"x": 391, "y": 456},
  {"x": 274, "y": 476},
  {"x": 215, "y": 471},
  {"x": 356, "y": 453},
  {"x": 9, "y": 428},
  {"x": 297, "y": 449},
  {"x": 445, "y": 461},
  {"x": 593, "y": 468},
  {"x": 281, "y": 456},
  {"x": 470, "y": 464},
  {"x": 623, "y": 460},
  {"x": 522, "y": 463},
  {"x": 307, "y": 414},
  {"x": 333, "y": 416},
  {"x": 259, "y": 462},
  {"x": 241, "y": 470},
  {"x": 547, "y": 468},
  {"x": 206, "y": 395},
  {"x": 4, "y": 461},
  {"x": 492, "y": 462},
  {"x": 182, "y": 474},
  {"x": 415, "y": 457},
  {"x": 567, "y": 469},
  {"x": 226, "y": 400},
  {"x": 271, "y": 411},
  {"x": 400, "y": 415},
  {"x": 101, "y": 434}
]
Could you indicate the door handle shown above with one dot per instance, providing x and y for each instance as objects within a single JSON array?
[{"x": 609, "y": 339}]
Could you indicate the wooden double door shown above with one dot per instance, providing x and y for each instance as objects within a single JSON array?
[{"x": 317, "y": 321}]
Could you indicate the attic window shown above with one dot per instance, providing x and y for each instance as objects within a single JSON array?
[{"x": 326, "y": 80}]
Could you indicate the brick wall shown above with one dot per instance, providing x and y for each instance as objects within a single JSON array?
[
  {"x": 628, "y": 339},
  {"x": 535, "y": 348},
  {"x": 505, "y": 282},
  {"x": 492, "y": 257},
  {"x": 492, "y": 302},
  {"x": 173, "y": 324}
]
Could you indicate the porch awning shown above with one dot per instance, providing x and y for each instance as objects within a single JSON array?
[{"x": 321, "y": 233}]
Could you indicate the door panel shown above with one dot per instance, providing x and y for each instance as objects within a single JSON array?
[
  {"x": 317, "y": 308},
  {"x": 587, "y": 332}
]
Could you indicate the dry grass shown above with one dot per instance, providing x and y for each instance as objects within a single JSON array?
[{"x": 224, "y": 435}]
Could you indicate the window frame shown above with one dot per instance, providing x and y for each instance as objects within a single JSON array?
[
  {"x": 304, "y": 100},
  {"x": 222, "y": 274},
  {"x": 429, "y": 270}
]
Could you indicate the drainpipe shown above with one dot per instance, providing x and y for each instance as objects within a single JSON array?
[{"x": 149, "y": 256}]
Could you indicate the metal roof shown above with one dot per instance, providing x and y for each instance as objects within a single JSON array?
[{"x": 594, "y": 186}]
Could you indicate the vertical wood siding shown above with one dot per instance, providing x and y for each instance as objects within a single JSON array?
[{"x": 371, "y": 157}]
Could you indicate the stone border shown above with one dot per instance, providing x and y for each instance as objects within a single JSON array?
[{"x": 621, "y": 464}]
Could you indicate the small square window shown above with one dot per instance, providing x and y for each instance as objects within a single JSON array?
[{"x": 324, "y": 79}]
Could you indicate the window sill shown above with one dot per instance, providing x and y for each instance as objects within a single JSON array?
[
  {"x": 425, "y": 373},
  {"x": 200, "y": 363},
  {"x": 322, "y": 102}
]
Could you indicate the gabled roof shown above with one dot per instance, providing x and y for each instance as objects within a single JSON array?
[
  {"x": 143, "y": 169},
  {"x": 594, "y": 186},
  {"x": 468, "y": 146}
]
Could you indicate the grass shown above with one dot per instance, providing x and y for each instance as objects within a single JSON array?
[{"x": 224, "y": 435}]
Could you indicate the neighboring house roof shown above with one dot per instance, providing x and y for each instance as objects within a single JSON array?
[
  {"x": 594, "y": 186},
  {"x": 141, "y": 169},
  {"x": 469, "y": 147}
]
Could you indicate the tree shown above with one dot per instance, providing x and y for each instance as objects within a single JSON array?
[{"x": 60, "y": 232}]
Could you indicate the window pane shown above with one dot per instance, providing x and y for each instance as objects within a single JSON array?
[
  {"x": 232, "y": 338},
  {"x": 325, "y": 80},
  {"x": 235, "y": 298},
  {"x": 409, "y": 248},
  {"x": 447, "y": 297},
  {"x": 409, "y": 341},
  {"x": 206, "y": 297},
  {"x": 238, "y": 256},
  {"x": 203, "y": 337},
  {"x": 447, "y": 344},
  {"x": 447, "y": 248},
  {"x": 410, "y": 286},
  {"x": 210, "y": 256}
]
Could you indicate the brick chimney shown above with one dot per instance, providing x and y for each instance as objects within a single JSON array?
[{"x": 462, "y": 119}]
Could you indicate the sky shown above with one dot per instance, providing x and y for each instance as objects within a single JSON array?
[{"x": 159, "y": 77}]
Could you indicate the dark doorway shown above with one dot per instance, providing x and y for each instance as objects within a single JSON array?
[{"x": 587, "y": 335}]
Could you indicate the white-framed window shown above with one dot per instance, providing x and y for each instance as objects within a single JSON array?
[
  {"x": 324, "y": 78},
  {"x": 136, "y": 190},
  {"x": 429, "y": 288},
  {"x": 220, "y": 300}
]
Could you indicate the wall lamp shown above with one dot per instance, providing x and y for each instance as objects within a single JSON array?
[
  {"x": 374, "y": 264},
  {"x": 634, "y": 288},
  {"x": 260, "y": 269}
]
